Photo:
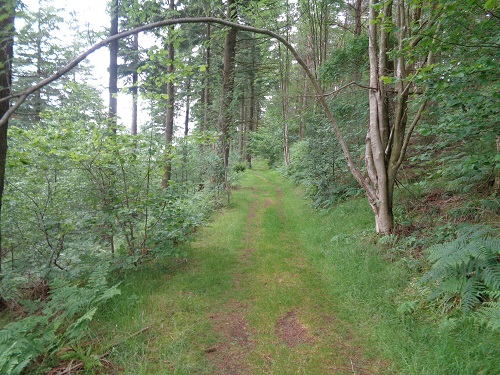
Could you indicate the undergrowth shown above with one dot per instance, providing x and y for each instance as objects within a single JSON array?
[
  {"x": 57, "y": 323},
  {"x": 465, "y": 273},
  {"x": 385, "y": 301}
]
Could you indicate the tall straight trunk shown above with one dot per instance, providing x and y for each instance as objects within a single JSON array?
[
  {"x": 7, "y": 13},
  {"x": 285, "y": 115},
  {"x": 206, "y": 88},
  {"x": 169, "y": 116},
  {"x": 302, "y": 123},
  {"x": 135, "y": 81},
  {"x": 37, "y": 94},
  {"x": 357, "y": 17},
  {"x": 251, "y": 111},
  {"x": 226, "y": 117},
  {"x": 112, "y": 110},
  {"x": 284, "y": 75},
  {"x": 284, "y": 83},
  {"x": 188, "y": 105},
  {"x": 113, "y": 66},
  {"x": 242, "y": 126}
]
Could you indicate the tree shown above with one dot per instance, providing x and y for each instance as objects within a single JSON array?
[
  {"x": 113, "y": 64},
  {"x": 7, "y": 14},
  {"x": 394, "y": 27},
  {"x": 170, "y": 112},
  {"x": 38, "y": 53},
  {"x": 24, "y": 94},
  {"x": 225, "y": 117},
  {"x": 386, "y": 142}
]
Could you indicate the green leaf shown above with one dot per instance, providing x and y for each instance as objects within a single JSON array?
[
  {"x": 491, "y": 4},
  {"x": 388, "y": 80}
]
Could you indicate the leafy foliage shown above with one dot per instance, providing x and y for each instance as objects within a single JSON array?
[
  {"x": 318, "y": 163},
  {"x": 55, "y": 323},
  {"x": 466, "y": 271}
]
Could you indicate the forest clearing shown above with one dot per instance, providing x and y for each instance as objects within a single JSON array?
[{"x": 249, "y": 187}]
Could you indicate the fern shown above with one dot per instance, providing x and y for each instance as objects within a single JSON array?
[
  {"x": 468, "y": 270},
  {"x": 489, "y": 313},
  {"x": 59, "y": 321}
]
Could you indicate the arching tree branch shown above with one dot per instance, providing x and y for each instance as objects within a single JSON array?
[{"x": 321, "y": 97}]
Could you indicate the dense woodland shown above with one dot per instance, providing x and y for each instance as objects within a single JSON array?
[{"x": 394, "y": 101}]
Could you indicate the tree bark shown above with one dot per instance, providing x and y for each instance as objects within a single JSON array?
[
  {"x": 357, "y": 17},
  {"x": 7, "y": 14},
  {"x": 226, "y": 117},
  {"x": 38, "y": 98},
  {"x": 251, "y": 111},
  {"x": 113, "y": 66},
  {"x": 188, "y": 105},
  {"x": 170, "y": 113},
  {"x": 284, "y": 78},
  {"x": 243, "y": 126},
  {"x": 135, "y": 81},
  {"x": 377, "y": 131},
  {"x": 389, "y": 134},
  {"x": 206, "y": 88}
]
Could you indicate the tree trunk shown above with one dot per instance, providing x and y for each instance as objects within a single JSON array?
[
  {"x": 170, "y": 113},
  {"x": 284, "y": 77},
  {"x": 251, "y": 111},
  {"x": 285, "y": 67},
  {"x": 188, "y": 105},
  {"x": 38, "y": 99},
  {"x": 135, "y": 80},
  {"x": 357, "y": 17},
  {"x": 302, "y": 123},
  {"x": 226, "y": 117},
  {"x": 388, "y": 136},
  {"x": 206, "y": 88},
  {"x": 113, "y": 66},
  {"x": 377, "y": 131},
  {"x": 7, "y": 13},
  {"x": 242, "y": 126}
]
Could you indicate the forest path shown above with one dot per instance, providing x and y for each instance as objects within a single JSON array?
[
  {"x": 247, "y": 301},
  {"x": 278, "y": 318}
]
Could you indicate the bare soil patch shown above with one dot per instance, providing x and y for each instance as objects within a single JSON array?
[
  {"x": 268, "y": 203},
  {"x": 229, "y": 356},
  {"x": 290, "y": 330}
]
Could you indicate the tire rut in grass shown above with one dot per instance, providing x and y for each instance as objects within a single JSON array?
[{"x": 229, "y": 356}]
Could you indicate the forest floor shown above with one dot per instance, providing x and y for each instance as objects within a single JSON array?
[{"x": 272, "y": 286}]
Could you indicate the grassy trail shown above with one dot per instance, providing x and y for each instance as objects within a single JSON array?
[
  {"x": 274, "y": 287},
  {"x": 248, "y": 300}
]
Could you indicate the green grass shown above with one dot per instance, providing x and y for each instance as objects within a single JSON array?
[{"x": 269, "y": 258}]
